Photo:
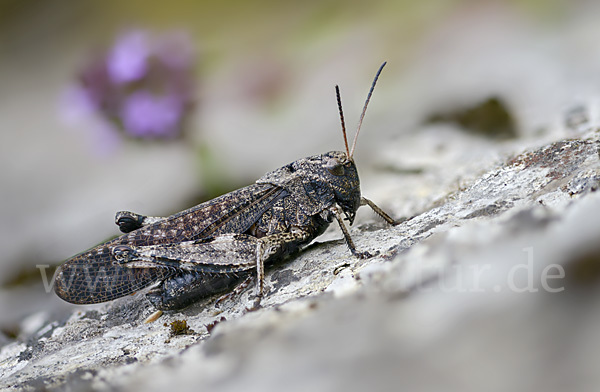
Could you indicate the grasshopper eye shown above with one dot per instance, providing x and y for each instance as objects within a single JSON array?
[{"x": 335, "y": 167}]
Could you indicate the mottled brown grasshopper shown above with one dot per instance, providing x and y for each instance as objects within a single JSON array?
[{"x": 211, "y": 247}]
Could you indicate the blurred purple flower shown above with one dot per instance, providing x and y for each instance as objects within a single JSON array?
[
  {"x": 147, "y": 115},
  {"x": 128, "y": 59},
  {"x": 144, "y": 85}
]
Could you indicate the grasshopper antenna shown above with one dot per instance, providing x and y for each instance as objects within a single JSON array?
[
  {"x": 365, "y": 109},
  {"x": 339, "y": 101}
]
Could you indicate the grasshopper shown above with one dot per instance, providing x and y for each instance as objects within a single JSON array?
[{"x": 214, "y": 246}]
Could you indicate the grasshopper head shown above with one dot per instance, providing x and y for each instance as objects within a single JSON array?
[
  {"x": 342, "y": 177},
  {"x": 340, "y": 165},
  {"x": 320, "y": 181}
]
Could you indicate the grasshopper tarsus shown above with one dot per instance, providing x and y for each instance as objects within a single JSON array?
[
  {"x": 212, "y": 247},
  {"x": 256, "y": 304},
  {"x": 366, "y": 255}
]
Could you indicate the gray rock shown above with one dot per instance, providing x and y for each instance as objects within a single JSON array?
[{"x": 492, "y": 285}]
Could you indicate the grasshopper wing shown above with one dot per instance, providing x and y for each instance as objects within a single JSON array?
[{"x": 95, "y": 275}]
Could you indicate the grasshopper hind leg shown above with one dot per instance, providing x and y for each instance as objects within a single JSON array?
[
  {"x": 130, "y": 221},
  {"x": 186, "y": 288}
]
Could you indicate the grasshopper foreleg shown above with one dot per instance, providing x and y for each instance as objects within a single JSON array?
[
  {"x": 338, "y": 216},
  {"x": 366, "y": 202}
]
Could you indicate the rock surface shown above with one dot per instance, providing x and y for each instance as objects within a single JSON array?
[{"x": 491, "y": 285}]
